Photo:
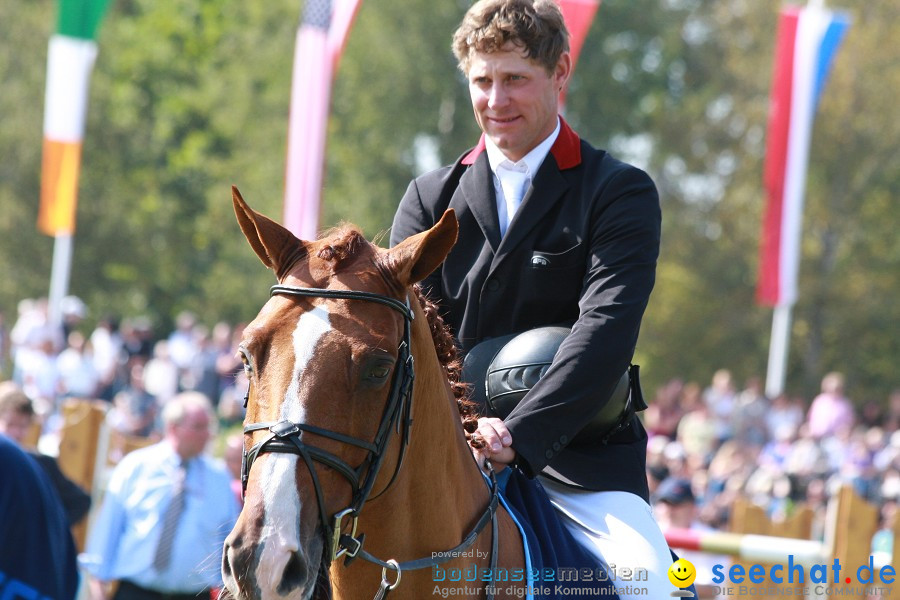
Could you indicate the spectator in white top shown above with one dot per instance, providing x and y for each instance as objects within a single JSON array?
[{"x": 78, "y": 375}]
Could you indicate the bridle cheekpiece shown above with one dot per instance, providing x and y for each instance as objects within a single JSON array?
[{"x": 288, "y": 437}]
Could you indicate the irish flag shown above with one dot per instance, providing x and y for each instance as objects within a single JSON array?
[
  {"x": 69, "y": 63},
  {"x": 807, "y": 39}
]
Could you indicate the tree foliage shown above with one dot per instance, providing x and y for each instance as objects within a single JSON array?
[{"x": 191, "y": 96}]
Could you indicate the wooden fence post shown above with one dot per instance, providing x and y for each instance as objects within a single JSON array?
[
  {"x": 749, "y": 518},
  {"x": 82, "y": 420},
  {"x": 856, "y": 521}
]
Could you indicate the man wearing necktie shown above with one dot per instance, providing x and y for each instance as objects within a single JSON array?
[
  {"x": 579, "y": 247},
  {"x": 165, "y": 514}
]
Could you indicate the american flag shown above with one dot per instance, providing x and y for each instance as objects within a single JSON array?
[{"x": 320, "y": 40}]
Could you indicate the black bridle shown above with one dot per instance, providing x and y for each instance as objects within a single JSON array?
[{"x": 288, "y": 437}]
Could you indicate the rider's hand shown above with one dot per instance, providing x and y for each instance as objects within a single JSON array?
[{"x": 497, "y": 443}]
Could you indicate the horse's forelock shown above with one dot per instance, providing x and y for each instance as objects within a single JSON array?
[
  {"x": 345, "y": 242},
  {"x": 341, "y": 244}
]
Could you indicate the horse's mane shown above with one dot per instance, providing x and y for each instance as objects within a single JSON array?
[
  {"x": 345, "y": 242},
  {"x": 448, "y": 354}
]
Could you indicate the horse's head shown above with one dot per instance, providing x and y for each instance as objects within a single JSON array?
[{"x": 327, "y": 359}]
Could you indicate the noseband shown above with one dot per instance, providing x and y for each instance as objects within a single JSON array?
[{"x": 288, "y": 437}]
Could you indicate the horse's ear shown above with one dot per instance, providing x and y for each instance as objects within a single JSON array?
[
  {"x": 417, "y": 256},
  {"x": 275, "y": 246}
]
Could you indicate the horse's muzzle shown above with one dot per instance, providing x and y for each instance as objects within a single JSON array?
[{"x": 284, "y": 572}]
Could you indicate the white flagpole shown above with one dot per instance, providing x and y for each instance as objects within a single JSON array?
[
  {"x": 776, "y": 371},
  {"x": 59, "y": 278}
]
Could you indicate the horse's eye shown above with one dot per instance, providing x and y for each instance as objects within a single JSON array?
[
  {"x": 378, "y": 372},
  {"x": 245, "y": 360}
]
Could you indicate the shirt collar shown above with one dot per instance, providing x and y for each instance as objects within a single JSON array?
[
  {"x": 531, "y": 161},
  {"x": 172, "y": 458},
  {"x": 566, "y": 150}
]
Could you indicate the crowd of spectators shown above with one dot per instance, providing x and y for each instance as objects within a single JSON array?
[
  {"x": 163, "y": 393},
  {"x": 727, "y": 440},
  {"x": 724, "y": 441},
  {"x": 730, "y": 442},
  {"x": 127, "y": 364}
]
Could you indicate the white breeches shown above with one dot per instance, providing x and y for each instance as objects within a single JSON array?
[{"x": 619, "y": 529}]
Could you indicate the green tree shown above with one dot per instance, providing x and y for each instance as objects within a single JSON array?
[{"x": 191, "y": 96}]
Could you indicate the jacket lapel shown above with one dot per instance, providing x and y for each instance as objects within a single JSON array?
[
  {"x": 473, "y": 185},
  {"x": 546, "y": 190}
]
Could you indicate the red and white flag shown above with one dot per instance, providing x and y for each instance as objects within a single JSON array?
[
  {"x": 320, "y": 41},
  {"x": 807, "y": 39},
  {"x": 578, "y": 14}
]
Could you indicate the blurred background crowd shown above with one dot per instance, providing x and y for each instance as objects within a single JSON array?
[
  {"x": 126, "y": 363},
  {"x": 732, "y": 441},
  {"x": 709, "y": 442}
]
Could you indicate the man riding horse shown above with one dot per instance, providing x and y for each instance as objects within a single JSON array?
[{"x": 552, "y": 231}]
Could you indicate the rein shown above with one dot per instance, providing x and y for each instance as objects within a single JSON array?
[{"x": 287, "y": 438}]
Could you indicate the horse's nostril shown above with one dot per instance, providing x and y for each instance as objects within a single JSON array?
[
  {"x": 294, "y": 574},
  {"x": 237, "y": 573},
  {"x": 226, "y": 564}
]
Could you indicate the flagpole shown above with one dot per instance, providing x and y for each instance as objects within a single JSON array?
[
  {"x": 806, "y": 41},
  {"x": 59, "y": 278},
  {"x": 780, "y": 339},
  {"x": 319, "y": 41},
  {"x": 71, "y": 53},
  {"x": 779, "y": 343}
]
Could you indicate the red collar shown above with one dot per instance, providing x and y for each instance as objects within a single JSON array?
[{"x": 566, "y": 149}]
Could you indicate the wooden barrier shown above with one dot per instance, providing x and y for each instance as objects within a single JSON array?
[
  {"x": 854, "y": 523},
  {"x": 121, "y": 444},
  {"x": 754, "y": 539},
  {"x": 747, "y": 517},
  {"x": 82, "y": 420},
  {"x": 84, "y": 435},
  {"x": 33, "y": 436},
  {"x": 895, "y": 559}
]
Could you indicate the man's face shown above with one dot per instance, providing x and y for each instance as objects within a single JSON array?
[
  {"x": 15, "y": 426},
  {"x": 514, "y": 98},
  {"x": 192, "y": 433}
]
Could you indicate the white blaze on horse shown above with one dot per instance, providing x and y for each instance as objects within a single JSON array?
[{"x": 333, "y": 414}]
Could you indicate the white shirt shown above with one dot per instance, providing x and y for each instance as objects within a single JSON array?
[
  {"x": 502, "y": 166},
  {"x": 123, "y": 540}
]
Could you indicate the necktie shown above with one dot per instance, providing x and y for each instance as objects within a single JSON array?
[
  {"x": 170, "y": 518},
  {"x": 514, "y": 183}
]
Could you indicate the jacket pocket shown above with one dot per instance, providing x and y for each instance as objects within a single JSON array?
[{"x": 567, "y": 259}]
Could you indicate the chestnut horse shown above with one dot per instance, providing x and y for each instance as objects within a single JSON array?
[{"x": 333, "y": 412}]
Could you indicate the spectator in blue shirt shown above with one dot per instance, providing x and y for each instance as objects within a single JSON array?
[{"x": 126, "y": 540}]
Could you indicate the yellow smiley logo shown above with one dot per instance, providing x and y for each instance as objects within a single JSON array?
[{"x": 682, "y": 573}]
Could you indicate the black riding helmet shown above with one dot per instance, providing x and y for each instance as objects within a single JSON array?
[{"x": 502, "y": 370}]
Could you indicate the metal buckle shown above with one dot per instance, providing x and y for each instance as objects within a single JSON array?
[
  {"x": 284, "y": 428},
  {"x": 245, "y": 472},
  {"x": 336, "y": 549},
  {"x": 384, "y": 571}
]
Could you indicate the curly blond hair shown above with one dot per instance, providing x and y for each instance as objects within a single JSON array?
[{"x": 536, "y": 26}]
